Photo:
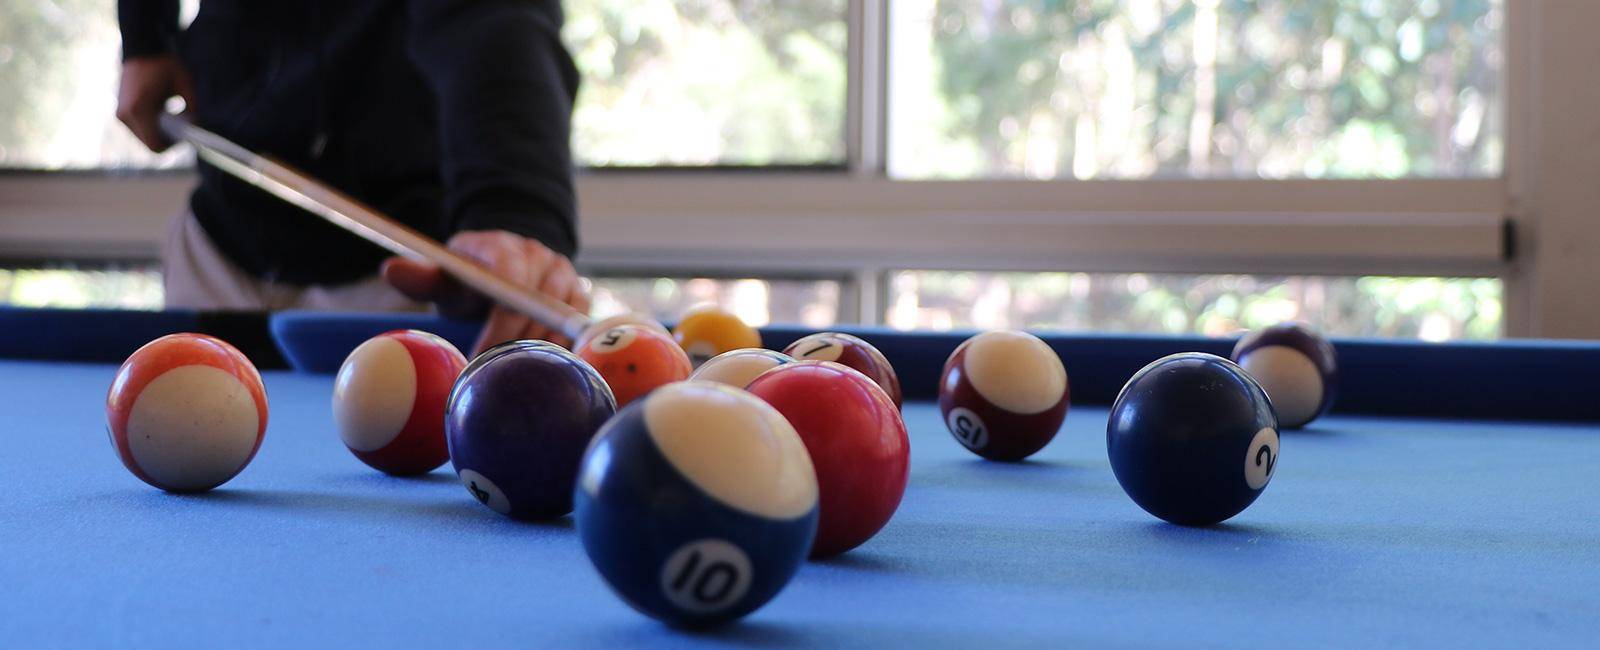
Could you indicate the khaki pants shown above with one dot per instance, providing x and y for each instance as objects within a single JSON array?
[{"x": 197, "y": 276}]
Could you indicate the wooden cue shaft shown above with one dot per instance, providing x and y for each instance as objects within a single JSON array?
[{"x": 295, "y": 187}]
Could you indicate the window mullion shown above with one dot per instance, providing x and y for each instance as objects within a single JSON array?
[{"x": 868, "y": 88}]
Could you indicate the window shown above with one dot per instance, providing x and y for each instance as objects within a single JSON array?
[
  {"x": 122, "y": 286},
  {"x": 882, "y": 95},
  {"x": 705, "y": 83},
  {"x": 58, "y": 72},
  {"x": 1433, "y": 309},
  {"x": 1207, "y": 88},
  {"x": 758, "y": 301},
  {"x": 709, "y": 82}
]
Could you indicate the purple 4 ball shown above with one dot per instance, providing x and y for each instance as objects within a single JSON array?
[
  {"x": 517, "y": 423},
  {"x": 1297, "y": 368}
]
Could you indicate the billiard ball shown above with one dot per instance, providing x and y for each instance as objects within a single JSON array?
[
  {"x": 624, "y": 318},
  {"x": 697, "y": 503},
  {"x": 850, "y": 351},
  {"x": 708, "y": 331},
  {"x": 1003, "y": 394},
  {"x": 186, "y": 412},
  {"x": 1297, "y": 368},
  {"x": 517, "y": 422},
  {"x": 1192, "y": 439},
  {"x": 635, "y": 360},
  {"x": 389, "y": 398},
  {"x": 737, "y": 368},
  {"x": 857, "y": 442}
]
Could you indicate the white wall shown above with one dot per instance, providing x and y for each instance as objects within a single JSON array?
[{"x": 1555, "y": 171}]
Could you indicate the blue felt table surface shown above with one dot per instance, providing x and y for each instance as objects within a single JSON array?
[{"x": 1373, "y": 532}]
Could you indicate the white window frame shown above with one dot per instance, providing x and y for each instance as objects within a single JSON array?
[{"x": 858, "y": 223}]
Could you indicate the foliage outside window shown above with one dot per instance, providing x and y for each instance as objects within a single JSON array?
[
  {"x": 136, "y": 286},
  {"x": 1433, "y": 309},
  {"x": 709, "y": 82},
  {"x": 758, "y": 301},
  {"x": 58, "y": 68},
  {"x": 1202, "y": 88}
]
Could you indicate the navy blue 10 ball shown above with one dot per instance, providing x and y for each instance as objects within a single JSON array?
[
  {"x": 697, "y": 503},
  {"x": 1192, "y": 439}
]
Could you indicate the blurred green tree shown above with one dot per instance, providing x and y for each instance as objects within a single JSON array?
[
  {"x": 38, "y": 41},
  {"x": 709, "y": 82},
  {"x": 1272, "y": 88}
]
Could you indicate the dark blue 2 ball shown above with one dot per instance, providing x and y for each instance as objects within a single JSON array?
[
  {"x": 1193, "y": 439},
  {"x": 697, "y": 504}
]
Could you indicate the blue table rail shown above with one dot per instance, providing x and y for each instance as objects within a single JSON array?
[{"x": 1513, "y": 379}]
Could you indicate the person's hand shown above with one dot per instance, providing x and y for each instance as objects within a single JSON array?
[
  {"x": 525, "y": 262},
  {"x": 147, "y": 83}
]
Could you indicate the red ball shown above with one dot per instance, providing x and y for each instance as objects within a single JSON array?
[
  {"x": 186, "y": 412},
  {"x": 857, "y": 443},
  {"x": 389, "y": 400},
  {"x": 1003, "y": 394},
  {"x": 852, "y": 352},
  {"x": 635, "y": 359}
]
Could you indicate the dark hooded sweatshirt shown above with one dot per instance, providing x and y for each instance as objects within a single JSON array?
[{"x": 447, "y": 115}]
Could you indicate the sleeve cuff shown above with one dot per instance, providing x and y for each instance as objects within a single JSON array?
[
  {"x": 141, "y": 48},
  {"x": 149, "y": 27}
]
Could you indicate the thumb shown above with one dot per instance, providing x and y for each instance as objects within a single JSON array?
[{"x": 419, "y": 281}]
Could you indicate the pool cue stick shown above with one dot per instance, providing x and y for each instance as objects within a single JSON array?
[{"x": 339, "y": 209}]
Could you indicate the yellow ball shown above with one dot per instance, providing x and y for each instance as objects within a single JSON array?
[{"x": 709, "y": 331}]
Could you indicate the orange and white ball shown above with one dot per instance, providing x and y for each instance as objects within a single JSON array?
[
  {"x": 389, "y": 400},
  {"x": 626, "y": 318},
  {"x": 186, "y": 412},
  {"x": 634, "y": 360}
]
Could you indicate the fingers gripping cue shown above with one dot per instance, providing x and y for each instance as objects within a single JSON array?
[{"x": 297, "y": 188}]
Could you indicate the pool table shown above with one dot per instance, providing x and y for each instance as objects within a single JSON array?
[{"x": 1449, "y": 500}]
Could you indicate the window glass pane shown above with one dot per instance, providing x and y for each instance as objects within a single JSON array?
[
  {"x": 1206, "y": 88},
  {"x": 709, "y": 82},
  {"x": 59, "y": 62},
  {"x": 124, "y": 286},
  {"x": 1434, "y": 309},
  {"x": 758, "y": 301}
]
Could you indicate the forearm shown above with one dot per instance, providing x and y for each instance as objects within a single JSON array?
[
  {"x": 504, "y": 87},
  {"x": 149, "y": 27}
]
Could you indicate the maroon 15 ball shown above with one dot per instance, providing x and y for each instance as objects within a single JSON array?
[{"x": 1003, "y": 394}]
